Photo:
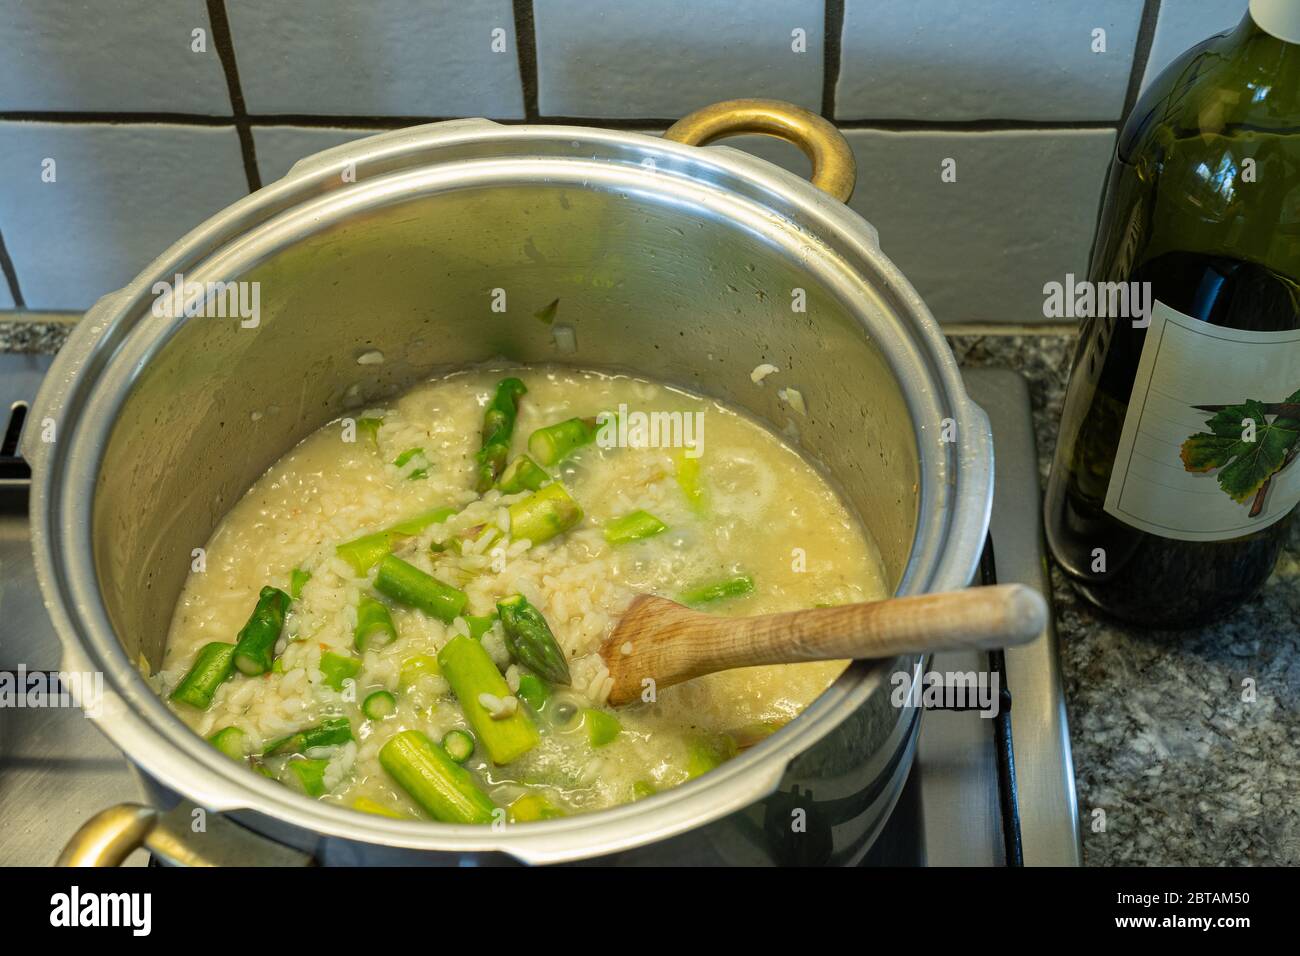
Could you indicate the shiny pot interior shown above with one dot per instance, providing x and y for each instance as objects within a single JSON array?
[{"x": 681, "y": 264}]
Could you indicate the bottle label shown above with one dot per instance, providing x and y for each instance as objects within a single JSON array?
[{"x": 1210, "y": 439}]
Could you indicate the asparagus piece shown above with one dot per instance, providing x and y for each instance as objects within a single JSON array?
[
  {"x": 367, "y": 805},
  {"x": 231, "y": 741},
  {"x": 533, "y": 691},
  {"x": 412, "y": 454},
  {"x": 530, "y": 641},
  {"x": 705, "y": 753},
  {"x": 413, "y": 668},
  {"x": 337, "y": 668},
  {"x": 379, "y": 705},
  {"x": 408, "y": 584},
  {"x": 479, "y": 624},
  {"x": 255, "y": 648},
  {"x": 328, "y": 733},
  {"x": 551, "y": 444},
  {"x": 687, "y": 472},
  {"x": 532, "y": 807},
  {"x": 369, "y": 427},
  {"x": 498, "y": 428},
  {"x": 437, "y": 783},
  {"x": 719, "y": 590},
  {"x": 633, "y": 527},
  {"x": 212, "y": 665},
  {"x": 365, "y": 552},
  {"x": 642, "y": 789},
  {"x": 374, "y": 625},
  {"x": 309, "y": 775},
  {"x": 522, "y": 474},
  {"x": 298, "y": 578},
  {"x": 474, "y": 679},
  {"x": 602, "y": 728},
  {"x": 544, "y": 514},
  {"x": 458, "y": 744}
]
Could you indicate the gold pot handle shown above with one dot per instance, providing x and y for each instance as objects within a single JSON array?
[
  {"x": 834, "y": 169},
  {"x": 183, "y": 836}
]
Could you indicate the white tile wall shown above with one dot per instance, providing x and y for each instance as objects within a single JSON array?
[
  {"x": 279, "y": 147},
  {"x": 964, "y": 60},
  {"x": 119, "y": 55},
  {"x": 1021, "y": 212},
  {"x": 122, "y": 194},
  {"x": 1184, "y": 23},
  {"x": 377, "y": 58},
  {"x": 596, "y": 58}
]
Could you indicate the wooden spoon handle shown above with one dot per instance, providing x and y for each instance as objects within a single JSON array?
[{"x": 676, "y": 643}]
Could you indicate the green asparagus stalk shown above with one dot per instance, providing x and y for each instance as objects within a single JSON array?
[
  {"x": 530, "y": 641},
  {"x": 413, "y": 454},
  {"x": 602, "y": 727},
  {"x": 379, "y": 705},
  {"x": 334, "y": 730},
  {"x": 231, "y": 741},
  {"x": 365, "y": 552},
  {"x": 479, "y": 624},
  {"x": 498, "y": 428},
  {"x": 706, "y": 753},
  {"x": 212, "y": 665},
  {"x": 533, "y": 691},
  {"x": 506, "y": 735},
  {"x": 374, "y": 625},
  {"x": 337, "y": 668},
  {"x": 298, "y": 579},
  {"x": 459, "y": 745},
  {"x": 409, "y": 585},
  {"x": 445, "y": 790},
  {"x": 553, "y": 443},
  {"x": 309, "y": 775},
  {"x": 522, "y": 474},
  {"x": 687, "y": 472},
  {"x": 255, "y": 648},
  {"x": 532, "y": 807},
  {"x": 544, "y": 514},
  {"x": 719, "y": 590},
  {"x": 369, "y": 427},
  {"x": 415, "y": 667},
  {"x": 633, "y": 527},
  {"x": 368, "y": 805}
]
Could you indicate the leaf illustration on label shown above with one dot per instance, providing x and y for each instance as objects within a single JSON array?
[{"x": 1246, "y": 446}]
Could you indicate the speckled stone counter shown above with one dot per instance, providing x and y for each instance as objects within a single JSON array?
[{"x": 1185, "y": 770}]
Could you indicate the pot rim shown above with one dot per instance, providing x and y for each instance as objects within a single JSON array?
[{"x": 110, "y": 343}]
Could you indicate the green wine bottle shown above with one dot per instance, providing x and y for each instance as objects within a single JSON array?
[{"x": 1175, "y": 470}]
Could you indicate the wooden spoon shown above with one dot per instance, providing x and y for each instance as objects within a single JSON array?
[{"x": 668, "y": 643}]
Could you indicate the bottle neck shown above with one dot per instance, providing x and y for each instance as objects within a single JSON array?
[
  {"x": 1268, "y": 39},
  {"x": 1279, "y": 19}
]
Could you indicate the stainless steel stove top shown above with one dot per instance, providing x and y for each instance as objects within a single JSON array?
[{"x": 56, "y": 770}]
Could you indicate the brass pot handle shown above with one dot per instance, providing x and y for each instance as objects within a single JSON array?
[
  {"x": 834, "y": 169},
  {"x": 111, "y": 835}
]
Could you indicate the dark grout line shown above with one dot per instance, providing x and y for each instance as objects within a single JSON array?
[
  {"x": 1141, "y": 55},
  {"x": 318, "y": 121},
  {"x": 11, "y": 275},
  {"x": 526, "y": 45},
  {"x": 225, "y": 45},
  {"x": 833, "y": 34}
]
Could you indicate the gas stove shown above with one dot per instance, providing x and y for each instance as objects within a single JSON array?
[{"x": 982, "y": 792}]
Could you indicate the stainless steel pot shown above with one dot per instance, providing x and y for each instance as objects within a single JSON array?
[{"x": 685, "y": 264}]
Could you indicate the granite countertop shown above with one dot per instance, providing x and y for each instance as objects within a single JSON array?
[{"x": 1185, "y": 770}]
